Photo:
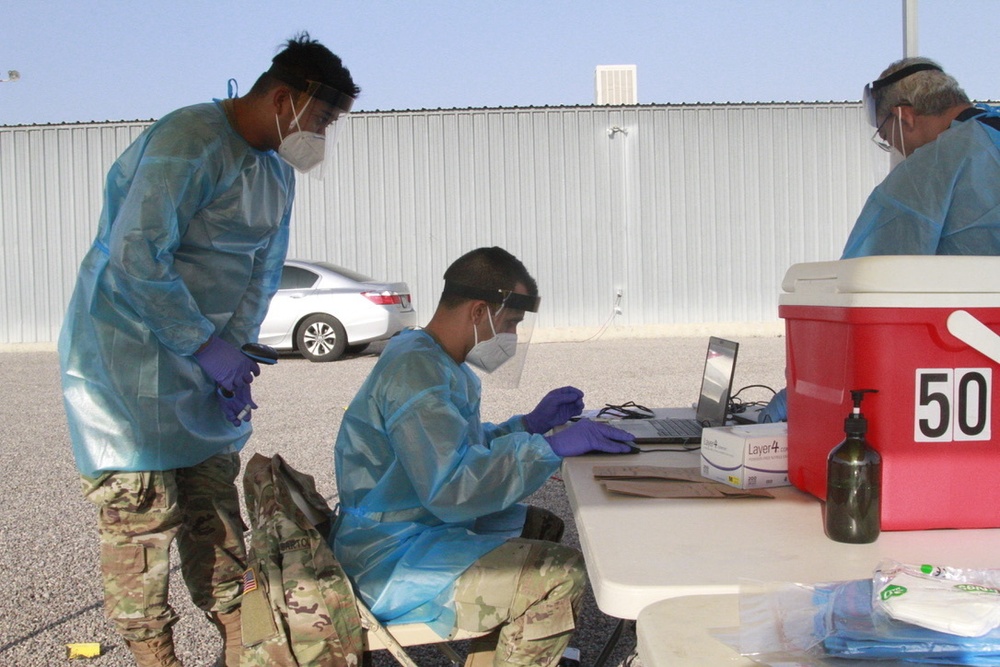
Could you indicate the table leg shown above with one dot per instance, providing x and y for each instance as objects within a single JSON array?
[{"x": 613, "y": 640}]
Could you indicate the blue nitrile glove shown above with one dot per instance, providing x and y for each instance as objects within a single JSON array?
[
  {"x": 554, "y": 410},
  {"x": 589, "y": 436},
  {"x": 225, "y": 364},
  {"x": 776, "y": 410},
  {"x": 237, "y": 406}
]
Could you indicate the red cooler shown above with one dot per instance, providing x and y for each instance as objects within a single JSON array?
[{"x": 922, "y": 330}]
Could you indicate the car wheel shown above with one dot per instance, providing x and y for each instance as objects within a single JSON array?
[
  {"x": 357, "y": 349},
  {"x": 321, "y": 338}
]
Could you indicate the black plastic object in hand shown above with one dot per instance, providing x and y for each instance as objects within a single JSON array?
[{"x": 264, "y": 354}]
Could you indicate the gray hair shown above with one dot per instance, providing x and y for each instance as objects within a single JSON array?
[{"x": 930, "y": 92}]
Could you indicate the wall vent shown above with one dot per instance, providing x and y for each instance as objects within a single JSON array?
[{"x": 616, "y": 84}]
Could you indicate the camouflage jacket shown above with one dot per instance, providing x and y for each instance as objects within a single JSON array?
[{"x": 298, "y": 605}]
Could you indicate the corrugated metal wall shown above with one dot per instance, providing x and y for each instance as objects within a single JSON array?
[
  {"x": 694, "y": 212},
  {"x": 51, "y": 179}
]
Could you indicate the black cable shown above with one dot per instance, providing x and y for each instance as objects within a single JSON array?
[
  {"x": 629, "y": 410},
  {"x": 738, "y": 406},
  {"x": 753, "y": 386}
]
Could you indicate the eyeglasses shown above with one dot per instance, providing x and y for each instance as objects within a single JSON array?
[{"x": 877, "y": 137}]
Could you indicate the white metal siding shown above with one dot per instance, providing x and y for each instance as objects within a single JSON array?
[
  {"x": 694, "y": 212},
  {"x": 51, "y": 178}
]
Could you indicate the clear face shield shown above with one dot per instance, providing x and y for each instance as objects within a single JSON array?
[
  {"x": 502, "y": 343},
  {"x": 888, "y": 135},
  {"x": 320, "y": 115},
  {"x": 878, "y": 149}
]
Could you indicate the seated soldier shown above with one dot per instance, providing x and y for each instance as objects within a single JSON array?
[{"x": 431, "y": 528}]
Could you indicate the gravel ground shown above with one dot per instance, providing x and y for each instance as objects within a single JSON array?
[{"x": 50, "y": 593}]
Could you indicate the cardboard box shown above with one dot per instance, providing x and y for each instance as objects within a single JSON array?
[
  {"x": 752, "y": 456},
  {"x": 923, "y": 332}
]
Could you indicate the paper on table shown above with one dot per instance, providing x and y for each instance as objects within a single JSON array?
[
  {"x": 667, "y": 482},
  {"x": 658, "y": 472}
]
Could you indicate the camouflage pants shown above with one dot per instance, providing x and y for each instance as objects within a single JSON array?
[
  {"x": 140, "y": 515},
  {"x": 530, "y": 591}
]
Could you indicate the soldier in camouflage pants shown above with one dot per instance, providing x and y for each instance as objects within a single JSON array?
[
  {"x": 528, "y": 591},
  {"x": 431, "y": 521},
  {"x": 141, "y": 513}
]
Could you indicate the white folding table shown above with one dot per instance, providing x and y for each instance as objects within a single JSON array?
[
  {"x": 642, "y": 550},
  {"x": 678, "y": 632}
]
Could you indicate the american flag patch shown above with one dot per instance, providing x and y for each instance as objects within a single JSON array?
[{"x": 249, "y": 581}]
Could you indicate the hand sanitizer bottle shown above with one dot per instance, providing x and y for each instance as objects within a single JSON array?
[{"x": 854, "y": 483}]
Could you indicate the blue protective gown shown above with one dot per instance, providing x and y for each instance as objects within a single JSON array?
[
  {"x": 944, "y": 199},
  {"x": 425, "y": 487},
  {"x": 190, "y": 243}
]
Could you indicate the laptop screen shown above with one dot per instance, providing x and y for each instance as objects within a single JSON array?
[{"x": 717, "y": 381}]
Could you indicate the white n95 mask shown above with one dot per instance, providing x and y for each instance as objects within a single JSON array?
[
  {"x": 489, "y": 355},
  {"x": 303, "y": 150}
]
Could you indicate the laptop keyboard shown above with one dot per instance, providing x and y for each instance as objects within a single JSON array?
[{"x": 676, "y": 427}]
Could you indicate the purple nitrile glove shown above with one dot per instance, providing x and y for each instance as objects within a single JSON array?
[
  {"x": 225, "y": 364},
  {"x": 588, "y": 436},
  {"x": 237, "y": 406},
  {"x": 554, "y": 410}
]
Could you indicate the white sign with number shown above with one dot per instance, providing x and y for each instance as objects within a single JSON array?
[{"x": 953, "y": 404}]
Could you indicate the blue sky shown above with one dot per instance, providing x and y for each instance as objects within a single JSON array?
[{"x": 117, "y": 60}]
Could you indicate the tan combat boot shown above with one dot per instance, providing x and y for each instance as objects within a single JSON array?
[
  {"x": 158, "y": 652},
  {"x": 231, "y": 630}
]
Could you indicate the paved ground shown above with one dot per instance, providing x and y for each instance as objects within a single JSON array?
[{"x": 49, "y": 588}]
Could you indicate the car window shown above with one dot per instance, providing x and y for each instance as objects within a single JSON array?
[
  {"x": 293, "y": 277},
  {"x": 347, "y": 273}
]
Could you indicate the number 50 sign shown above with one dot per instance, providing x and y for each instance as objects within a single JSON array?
[{"x": 952, "y": 404}]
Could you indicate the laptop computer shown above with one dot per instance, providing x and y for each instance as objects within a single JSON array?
[{"x": 713, "y": 402}]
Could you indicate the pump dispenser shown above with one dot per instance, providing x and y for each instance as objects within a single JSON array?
[{"x": 854, "y": 482}]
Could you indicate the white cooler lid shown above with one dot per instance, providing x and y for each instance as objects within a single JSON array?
[{"x": 908, "y": 281}]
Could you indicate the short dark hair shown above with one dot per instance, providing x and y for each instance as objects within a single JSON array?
[
  {"x": 487, "y": 268},
  {"x": 306, "y": 59}
]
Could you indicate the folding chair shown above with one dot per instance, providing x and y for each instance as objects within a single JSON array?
[{"x": 394, "y": 638}]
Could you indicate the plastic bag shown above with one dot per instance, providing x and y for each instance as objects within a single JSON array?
[
  {"x": 946, "y": 599},
  {"x": 797, "y": 624}
]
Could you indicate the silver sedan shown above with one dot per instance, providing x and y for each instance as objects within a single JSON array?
[{"x": 322, "y": 311}]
